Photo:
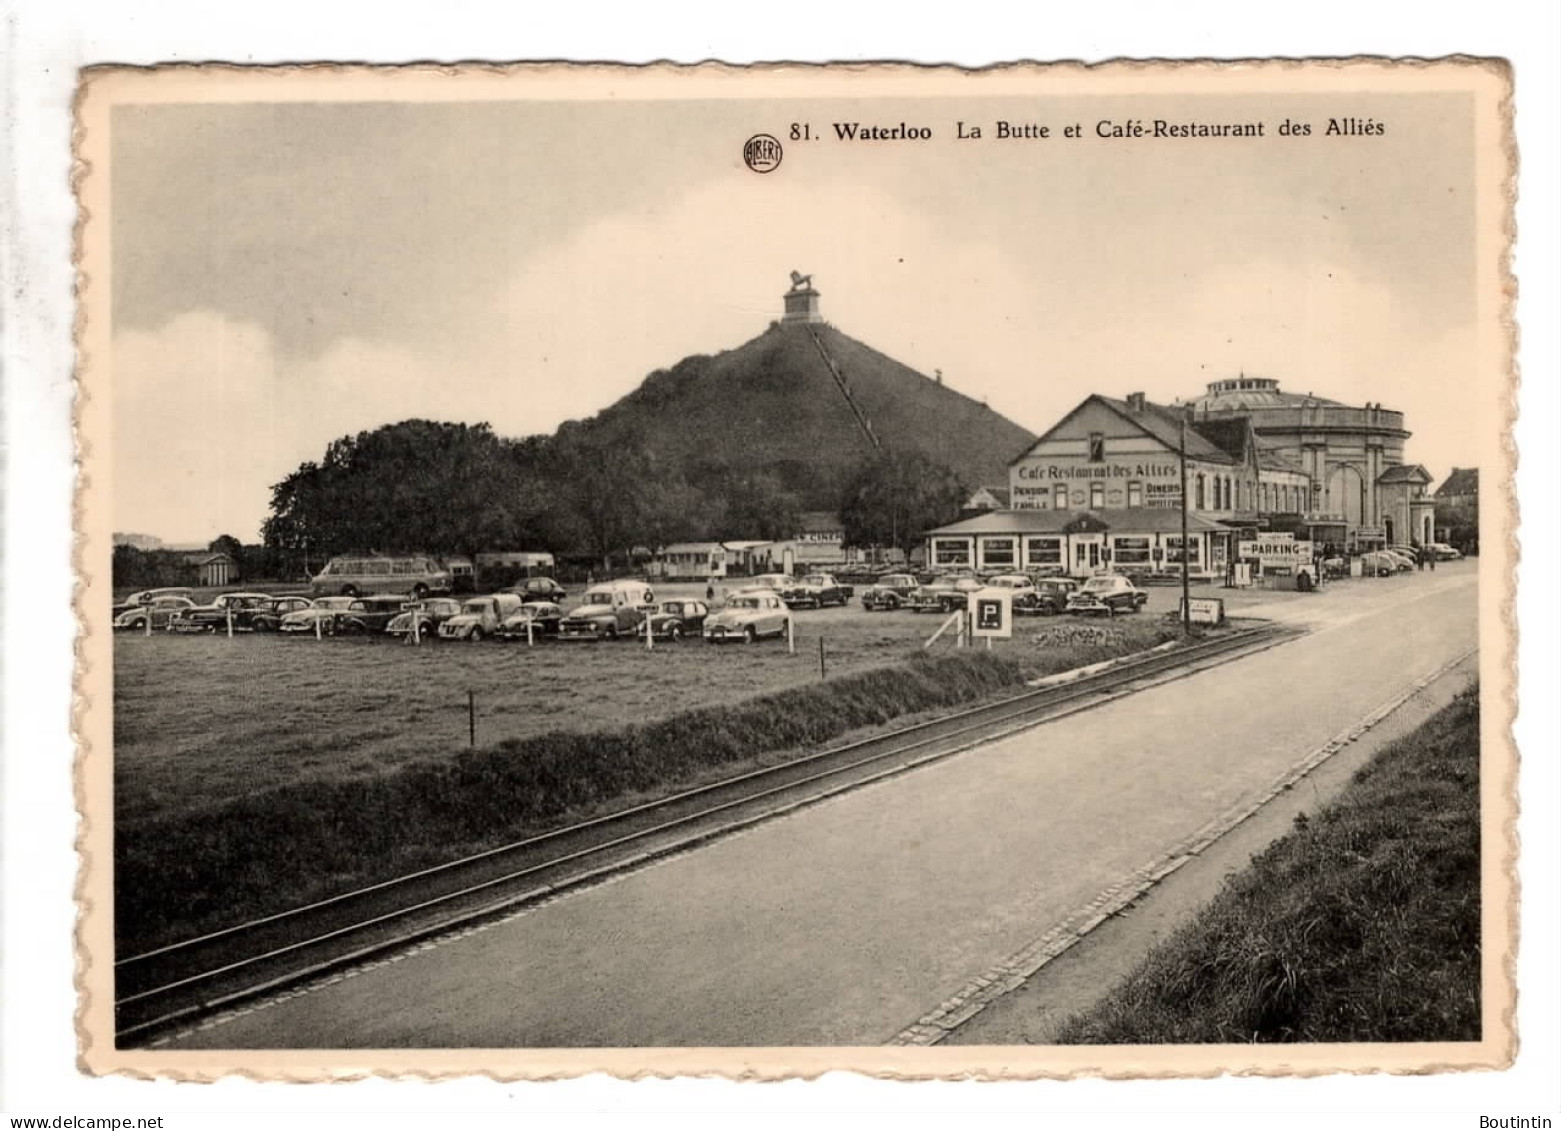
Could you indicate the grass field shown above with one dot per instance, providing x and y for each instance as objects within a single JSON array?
[
  {"x": 1363, "y": 924},
  {"x": 202, "y": 719}
]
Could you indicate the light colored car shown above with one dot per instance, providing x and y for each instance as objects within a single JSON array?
[
  {"x": 608, "y": 611},
  {"x": 1107, "y": 593},
  {"x": 160, "y": 611},
  {"x": 430, "y": 614},
  {"x": 325, "y": 611},
  {"x": 749, "y": 614},
  {"x": 944, "y": 595},
  {"x": 480, "y": 617},
  {"x": 775, "y": 581},
  {"x": 147, "y": 596},
  {"x": 1444, "y": 552}
]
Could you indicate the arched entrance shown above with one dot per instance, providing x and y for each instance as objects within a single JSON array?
[{"x": 1346, "y": 494}]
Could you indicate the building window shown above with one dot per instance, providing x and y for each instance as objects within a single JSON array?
[
  {"x": 951, "y": 551},
  {"x": 998, "y": 552},
  {"x": 1043, "y": 551},
  {"x": 1060, "y": 497},
  {"x": 1097, "y": 496},
  {"x": 1173, "y": 549},
  {"x": 1130, "y": 551},
  {"x": 1200, "y": 496},
  {"x": 1097, "y": 447},
  {"x": 1135, "y": 494}
]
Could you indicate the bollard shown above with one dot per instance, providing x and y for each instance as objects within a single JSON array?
[
  {"x": 791, "y": 636},
  {"x": 318, "y": 634},
  {"x": 230, "y": 622},
  {"x": 149, "y": 622},
  {"x": 530, "y": 625},
  {"x": 649, "y": 642}
]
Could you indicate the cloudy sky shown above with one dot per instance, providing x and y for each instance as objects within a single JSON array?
[{"x": 287, "y": 273}]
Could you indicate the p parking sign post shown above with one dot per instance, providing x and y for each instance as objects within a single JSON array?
[{"x": 992, "y": 614}]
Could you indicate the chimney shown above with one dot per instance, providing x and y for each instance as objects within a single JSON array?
[{"x": 1135, "y": 402}]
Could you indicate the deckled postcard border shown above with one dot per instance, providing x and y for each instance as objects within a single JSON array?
[{"x": 1489, "y": 79}]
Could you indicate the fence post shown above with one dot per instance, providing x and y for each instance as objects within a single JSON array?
[
  {"x": 530, "y": 625},
  {"x": 318, "y": 632},
  {"x": 471, "y": 717},
  {"x": 791, "y": 636},
  {"x": 649, "y": 640},
  {"x": 822, "y": 671},
  {"x": 149, "y": 621},
  {"x": 230, "y": 622}
]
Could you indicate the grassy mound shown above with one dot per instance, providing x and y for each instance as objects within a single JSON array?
[{"x": 1363, "y": 924}]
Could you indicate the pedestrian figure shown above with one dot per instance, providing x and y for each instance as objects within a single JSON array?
[
  {"x": 709, "y": 593},
  {"x": 1420, "y": 561},
  {"x": 1432, "y": 555}
]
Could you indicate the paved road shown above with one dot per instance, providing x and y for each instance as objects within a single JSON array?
[{"x": 844, "y": 923}]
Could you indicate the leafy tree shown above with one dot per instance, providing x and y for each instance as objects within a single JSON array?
[{"x": 893, "y": 497}]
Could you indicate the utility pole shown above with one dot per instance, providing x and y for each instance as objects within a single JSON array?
[{"x": 1186, "y": 603}]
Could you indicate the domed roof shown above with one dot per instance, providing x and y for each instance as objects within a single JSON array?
[{"x": 1243, "y": 394}]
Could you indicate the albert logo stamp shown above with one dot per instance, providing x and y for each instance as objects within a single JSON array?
[{"x": 762, "y": 153}]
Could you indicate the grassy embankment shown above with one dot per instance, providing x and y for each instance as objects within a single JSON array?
[
  {"x": 1362, "y": 924},
  {"x": 186, "y": 870}
]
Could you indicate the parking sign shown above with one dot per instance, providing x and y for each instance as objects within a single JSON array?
[{"x": 993, "y": 613}]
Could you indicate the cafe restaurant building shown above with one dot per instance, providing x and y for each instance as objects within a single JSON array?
[{"x": 1102, "y": 490}]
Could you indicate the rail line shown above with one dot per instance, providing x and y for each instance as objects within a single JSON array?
[{"x": 181, "y": 982}]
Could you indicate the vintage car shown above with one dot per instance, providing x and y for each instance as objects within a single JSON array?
[
  {"x": 429, "y": 615},
  {"x": 943, "y": 595},
  {"x": 327, "y": 612},
  {"x": 214, "y": 617},
  {"x": 748, "y": 615},
  {"x": 608, "y": 610},
  {"x": 889, "y": 591},
  {"x": 480, "y": 617},
  {"x": 534, "y": 619},
  {"x": 1108, "y": 593},
  {"x": 1443, "y": 552},
  {"x": 815, "y": 590},
  {"x": 539, "y": 589},
  {"x": 673, "y": 620},
  {"x": 1047, "y": 597},
  {"x": 268, "y": 617},
  {"x": 159, "y": 611},
  {"x": 1380, "y": 563},
  {"x": 147, "y": 596},
  {"x": 1402, "y": 562},
  {"x": 775, "y": 581}
]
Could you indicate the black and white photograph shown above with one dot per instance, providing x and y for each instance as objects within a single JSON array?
[{"x": 705, "y": 569}]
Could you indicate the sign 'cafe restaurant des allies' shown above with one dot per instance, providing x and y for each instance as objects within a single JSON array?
[{"x": 1102, "y": 490}]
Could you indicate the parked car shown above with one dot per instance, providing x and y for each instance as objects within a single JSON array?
[
  {"x": 159, "y": 611},
  {"x": 775, "y": 581},
  {"x": 944, "y": 595},
  {"x": 1402, "y": 562},
  {"x": 214, "y": 616},
  {"x": 673, "y": 620},
  {"x": 534, "y": 619},
  {"x": 1444, "y": 552},
  {"x": 1017, "y": 584},
  {"x": 889, "y": 591},
  {"x": 480, "y": 617},
  {"x": 268, "y": 617},
  {"x": 1379, "y": 563},
  {"x": 1108, "y": 593},
  {"x": 1047, "y": 597},
  {"x": 327, "y": 612},
  {"x": 429, "y": 613},
  {"x": 146, "y": 596},
  {"x": 539, "y": 589},
  {"x": 749, "y": 614},
  {"x": 815, "y": 590},
  {"x": 607, "y": 611}
]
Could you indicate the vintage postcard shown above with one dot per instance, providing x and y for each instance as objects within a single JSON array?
[{"x": 756, "y": 571}]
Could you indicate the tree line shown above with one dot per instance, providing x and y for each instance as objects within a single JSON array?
[{"x": 446, "y": 489}]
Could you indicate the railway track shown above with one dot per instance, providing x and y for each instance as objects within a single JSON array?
[{"x": 178, "y": 984}]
